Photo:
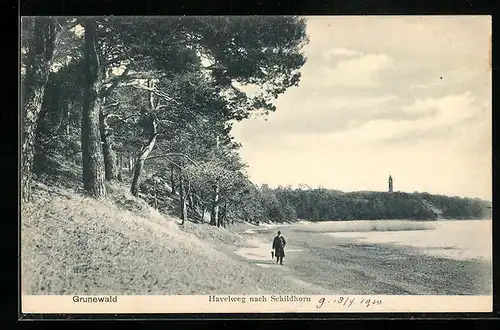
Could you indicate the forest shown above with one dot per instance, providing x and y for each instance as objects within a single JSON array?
[
  {"x": 150, "y": 102},
  {"x": 325, "y": 205},
  {"x": 155, "y": 97}
]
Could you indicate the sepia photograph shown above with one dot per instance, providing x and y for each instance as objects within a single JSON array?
[{"x": 253, "y": 164}]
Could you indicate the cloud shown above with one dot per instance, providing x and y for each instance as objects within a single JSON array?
[
  {"x": 361, "y": 71},
  {"x": 454, "y": 117},
  {"x": 447, "y": 78},
  {"x": 322, "y": 116},
  {"x": 341, "y": 52},
  {"x": 380, "y": 120},
  {"x": 432, "y": 119},
  {"x": 371, "y": 101},
  {"x": 448, "y": 110},
  {"x": 426, "y": 85},
  {"x": 351, "y": 102}
]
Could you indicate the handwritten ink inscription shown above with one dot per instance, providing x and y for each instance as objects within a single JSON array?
[{"x": 347, "y": 301}]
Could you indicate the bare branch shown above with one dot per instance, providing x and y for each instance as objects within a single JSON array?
[
  {"x": 114, "y": 104},
  {"x": 145, "y": 74},
  {"x": 122, "y": 119},
  {"x": 174, "y": 154},
  {"x": 48, "y": 138},
  {"x": 155, "y": 91},
  {"x": 179, "y": 133},
  {"x": 112, "y": 115},
  {"x": 166, "y": 121},
  {"x": 152, "y": 105},
  {"x": 128, "y": 84},
  {"x": 170, "y": 161}
]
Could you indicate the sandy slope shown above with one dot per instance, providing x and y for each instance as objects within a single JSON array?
[{"x": 71, "y": 244}]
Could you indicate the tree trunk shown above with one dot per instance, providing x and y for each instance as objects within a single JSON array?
[
  {"x": 139, "y": 163},
  {"x": 134, "y": 189},
  {"x": 191, "y": 201},
  {"x": 182, "y": 195},
  {"x": 92, "y": 159},
  {"x": 38, "y": 65},
  {"x": 214, "y": 217},
  {"x": 120, "y": 167},
  {"x": 172, "y": 179},
  {"x": 109, "y": 155},
  {"x": 214, "y": 214},
  {"x": 155, "y": 199},
  {"x": 224, "y": 216},
  {"x": 152, "y": 130},
  {"x": 68, "y": 117},
  {"x": 203, "y": 211},
  {"x": 130, "y": 162},
  {"x": 221, "y": 219},
  {"x": 196, "y": 199},
  {"x": 110, "y": 160}
]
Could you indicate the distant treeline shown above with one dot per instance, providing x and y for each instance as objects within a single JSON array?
[
  {"x": 287, "y": 204},
  {"x": 284, "y": 204}
]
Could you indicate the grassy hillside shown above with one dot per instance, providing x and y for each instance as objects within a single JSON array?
[{"x": 73, "y": 244}]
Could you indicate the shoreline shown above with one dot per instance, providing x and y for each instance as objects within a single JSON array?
[
  {"x": 450, "y": 239},
  {"x": 348, "y": 266}
]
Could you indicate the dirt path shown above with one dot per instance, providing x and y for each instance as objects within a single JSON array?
[
  {"x": 334, "y": 266},
  {"x": 258, "y": 252}
]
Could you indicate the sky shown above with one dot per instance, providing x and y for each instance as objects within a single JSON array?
[{"x": 403, "y": 96}]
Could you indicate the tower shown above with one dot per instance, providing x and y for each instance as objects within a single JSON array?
[{"x": 390, "y": 184}]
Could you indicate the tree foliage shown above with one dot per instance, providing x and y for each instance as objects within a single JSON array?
[
  {"x": 160, "y": 95},
  {"x": 325, "y": 205},
  {"x": 157, "y": 97}
]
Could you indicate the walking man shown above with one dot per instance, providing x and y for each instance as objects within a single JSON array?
[{"x": 279, "y": 247}]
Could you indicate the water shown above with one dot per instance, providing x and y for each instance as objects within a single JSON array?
[
  {"x": 453, "y": 239},
  {"x": 382, "y": 256}
]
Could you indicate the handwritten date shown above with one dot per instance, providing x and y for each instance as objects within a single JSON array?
[{"x": 349, "y": 301}]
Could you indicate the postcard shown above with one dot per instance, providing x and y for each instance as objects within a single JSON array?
[{"x": 256, "y": 164}]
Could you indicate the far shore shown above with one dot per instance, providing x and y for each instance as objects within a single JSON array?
[{"x": 453, "y": 239}]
